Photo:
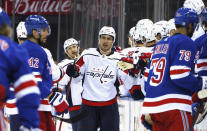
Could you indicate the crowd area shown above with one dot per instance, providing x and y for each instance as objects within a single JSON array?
[{"x": 165, "y": 66}]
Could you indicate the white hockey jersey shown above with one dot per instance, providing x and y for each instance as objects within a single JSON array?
[
  {"x": 198, "y": 32},
  {"x": 100, "y": 73},
  {"x": 74, "y": 90}
]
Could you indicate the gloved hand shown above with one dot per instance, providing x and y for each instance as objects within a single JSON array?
[
  {"x": 194, "y": 108},
  {"x": 200, "y": 96},
  {"x": 146, "y": 124},
  {"x": 136, "y": 92},
  {"x": 142, "y": 63},
  {"x": 57, "y": 100},
  {"x": 73, "y": 70}
]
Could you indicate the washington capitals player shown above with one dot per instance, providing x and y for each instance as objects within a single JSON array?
[
  {"x": 171, "y": 81},
  {"x": 73, "y": 90},
  {"x": 99, "y": 97},
  {"x": 37, "y": 33},
  {"x": 14, "y": 69}
]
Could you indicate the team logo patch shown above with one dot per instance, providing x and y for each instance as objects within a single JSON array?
[{"x": 4, "y": 45}]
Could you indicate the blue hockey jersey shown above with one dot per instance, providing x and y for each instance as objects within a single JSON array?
[
  {"x": 41, "y": 69},
  {"x": 171, "y": 80},
  {"x": 201, "y": 65},
  {"x": 14, "y": 69}
]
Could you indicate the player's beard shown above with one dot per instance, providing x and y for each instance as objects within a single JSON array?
[{"x": 41, "y": 43}]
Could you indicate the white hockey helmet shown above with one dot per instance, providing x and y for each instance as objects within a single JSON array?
[
  {"x": 170, "y": 26},
  {"x": 21, "y": 30},
  {"x": 131, "y": 31},
  {"x": 197, "y": 5},
  {"x": 160, "y": 27},
  {"x": 144, "y": 23},
  {"x": 68, "y": 43},
  {"x": 149, "y": 36},
  {"x": 107, "y": 30},
  {"x": 144, "y": 26}
]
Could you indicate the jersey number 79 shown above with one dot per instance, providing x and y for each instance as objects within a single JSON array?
[{"x": 158, "y": 68}]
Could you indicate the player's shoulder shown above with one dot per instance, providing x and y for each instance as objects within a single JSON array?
[
  {"x": 181, "y": 40},
  {"x": 65, "y": 62},
  {"x": 90, "y": 51},
  {"x": 34, "y": 49},
  {"x": 116, "y": 56}
]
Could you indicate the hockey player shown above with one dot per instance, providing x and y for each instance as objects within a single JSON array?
[
  {"x": 171, "y": 80},
  {"x": 99, "y": 97},
  {"x": 73, "y": 90},
  {"x": 14, "y": 69},
  {"x": 201, "y": 69},
  {"x": 37, "y": 32},
  {"x": 198, "y": 6},
  {"x": 10, "y": 106}
]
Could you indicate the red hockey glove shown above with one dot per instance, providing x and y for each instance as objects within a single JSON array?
[
  {"x": 200, "y": 96},
  {"x": 147, "y": 123},
  {"x": 58, "y": 102}
]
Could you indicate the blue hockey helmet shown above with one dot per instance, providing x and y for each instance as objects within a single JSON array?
[
  {"x": 203, "y": 16},
  {"x": 185, "y": 16},
  {"x": 36, "y": 22},
  {"x": 4, "y": 18}
]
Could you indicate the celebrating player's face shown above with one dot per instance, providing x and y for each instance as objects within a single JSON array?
[
  {"x": 106, "y": 42},
  {"x": 72, "y": 51},
  {"x": 44, "y": 35}
]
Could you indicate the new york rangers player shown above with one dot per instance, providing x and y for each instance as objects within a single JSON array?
[
  {"x": 10, "y": 107},
  {"x": 14, "y": 69},
  {"x": 201, "y": 68},
  {"x": 171, "y": 81},
  {"x": 37, "y": 32}
]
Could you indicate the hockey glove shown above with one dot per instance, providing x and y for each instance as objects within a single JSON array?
[
  {"x": 58, "y": 102},
  {"x": 200, "y": 96},
  {"x": 146, "y": 124},
  {"x": 73, "y": 70},
  {"x": 136, "y": 92},
  {"x": 125, "y": 64}
]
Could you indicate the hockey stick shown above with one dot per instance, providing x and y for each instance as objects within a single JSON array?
[{"x": 76, "y": 118}]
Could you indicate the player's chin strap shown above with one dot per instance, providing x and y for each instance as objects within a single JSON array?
[{"x": 81, "y": 115}]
